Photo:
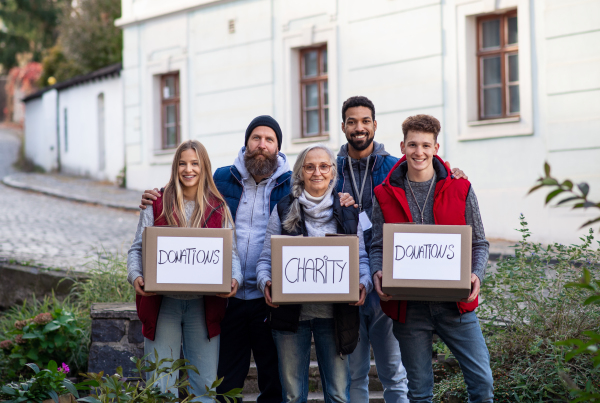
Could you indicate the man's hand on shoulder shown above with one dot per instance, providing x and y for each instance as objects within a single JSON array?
[
  {"x": 346, "y": 200},
  {"x": 148, "y": 197},
  {"x": 457, "y": 173}
]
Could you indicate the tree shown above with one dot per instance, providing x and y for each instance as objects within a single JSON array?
[
  {"x": 30, "y": 26},
  {"x": 89, "y": 36}
]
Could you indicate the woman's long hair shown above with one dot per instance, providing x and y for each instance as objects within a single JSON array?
[
  {"x": 293, "y": 217},
  {"x": 207, "y": 196}
]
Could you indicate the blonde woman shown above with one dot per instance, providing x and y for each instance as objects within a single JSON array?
[{"x": 190, "y": 199}]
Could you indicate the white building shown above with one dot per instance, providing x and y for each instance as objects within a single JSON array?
[
  {"x": 76, "y": 126},
  {"x": 514, "y": 83}
]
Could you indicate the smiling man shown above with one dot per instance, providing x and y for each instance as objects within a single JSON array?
[{"x": 419, "y": 184}]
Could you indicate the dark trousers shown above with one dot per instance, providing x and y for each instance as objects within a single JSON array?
[{"x": 244, "y": 330}]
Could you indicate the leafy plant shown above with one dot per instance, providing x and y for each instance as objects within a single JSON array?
[
  {"x": 106, "y": 282},
  {"x": 527, "y": 306},
  {"x": 46, "y": 384},
  {"x": 116, "y": 388},
  {"x": 590, "y": 345},
  {"x": 577, "y": 194},
  {"x": 24, "y": 335},
  {"x": 42, "y": 338}
]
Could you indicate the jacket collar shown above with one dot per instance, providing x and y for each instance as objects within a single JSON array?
[
  {"x": 278, "y": 181},
  {"x": 379, "y": 153},
  {"x": 397, "y": 176}
]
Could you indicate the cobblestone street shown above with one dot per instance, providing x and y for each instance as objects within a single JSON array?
[{"x": 52, "y": 232}]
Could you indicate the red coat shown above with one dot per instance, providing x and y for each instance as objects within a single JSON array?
[
  {"x": 214, "y": 307},
  {"x": 449, "y": 202}
]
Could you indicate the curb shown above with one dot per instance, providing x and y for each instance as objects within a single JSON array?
[{"x": 8, "y": 181}]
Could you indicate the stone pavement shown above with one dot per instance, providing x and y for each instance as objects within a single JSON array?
[
  {"x": 76, "y": 189},
  {"x": 40, "y": 230}
]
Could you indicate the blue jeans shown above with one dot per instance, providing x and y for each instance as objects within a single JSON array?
[
  {"x": 293, "y": 351},
  {"x": 376, "y": 331},
  {"x": 183, "y": 321},
  {"x": 463, "y": 337}
]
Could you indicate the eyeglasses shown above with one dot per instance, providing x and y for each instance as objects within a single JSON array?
[{"x": 310, "y": 168}]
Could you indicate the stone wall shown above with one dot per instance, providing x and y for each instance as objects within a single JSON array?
[{"x": 116, "y": 337}]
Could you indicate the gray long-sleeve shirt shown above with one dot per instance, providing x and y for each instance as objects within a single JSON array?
[
  {"x": 480, "y": 246},
  {"x": 134, "y": 256}
]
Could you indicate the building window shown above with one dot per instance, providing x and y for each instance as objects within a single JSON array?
[
  {"x": 498, "y": 66},
  {"x": 314, "y": 91},
  {"x": 66, "y": 130},
  {"x": 170, "y": 116}
]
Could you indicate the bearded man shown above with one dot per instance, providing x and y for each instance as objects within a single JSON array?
[{"x": 252, "y": 186}]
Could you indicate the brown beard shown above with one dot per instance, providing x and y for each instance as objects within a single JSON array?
[{"x": 260, "y": 167}]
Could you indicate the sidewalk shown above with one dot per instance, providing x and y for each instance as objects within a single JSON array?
[{"x": 76, "y": 189}]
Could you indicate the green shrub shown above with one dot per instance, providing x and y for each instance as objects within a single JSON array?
[
  {"x": 47, "y": 384},
  {"x": 43, "y": 338},
  {"x": 526, "y": 308},
  {"x": 107, "y": 282},
  {"x": 116, "y": 388}
]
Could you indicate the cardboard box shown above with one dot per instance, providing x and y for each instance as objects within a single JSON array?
[
  {"x": 314, "y": 269},
  {"x": 427, "y": 262},
  {"x": 187, "y": 260}
]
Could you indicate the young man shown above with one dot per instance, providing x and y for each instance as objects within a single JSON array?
[
  {"x": 252, "y": 186},
  {"x": 419, "y": 189},
  {"x": 363, "y": 164}
]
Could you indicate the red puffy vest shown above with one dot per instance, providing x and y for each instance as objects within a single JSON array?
[
  {"x": 449, "y": 202},
  {"x": 214, "y": 307}
]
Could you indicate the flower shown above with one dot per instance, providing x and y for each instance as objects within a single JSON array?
[
  {"x": 19, "y": 339},
  {"x": 20, "y": 324},
  {"x": 6, "y": 344},
  {"x": 64, "y": 368},
  {"x": 43, "y": 318}
]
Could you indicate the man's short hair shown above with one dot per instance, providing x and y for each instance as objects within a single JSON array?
[
  {"x": 353, "y": 102},
  {"x": 422, "y": 123}
]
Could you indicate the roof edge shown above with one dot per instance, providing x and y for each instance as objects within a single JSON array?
[{"x": 100, "y": 73}]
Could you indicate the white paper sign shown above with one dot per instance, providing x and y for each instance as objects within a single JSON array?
[
  {"x": 315, "y": 269},
  {"x": 427, "y": 256},
  {"x": 189, "y": 260}
]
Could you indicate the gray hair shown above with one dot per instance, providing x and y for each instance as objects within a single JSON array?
[{"x": 292, "y": 220}]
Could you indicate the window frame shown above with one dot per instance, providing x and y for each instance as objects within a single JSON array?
[
  {"x": 504, "y": 51},
  {"x": 319, "y": 79},
  {"x": 164, "y": 102}
]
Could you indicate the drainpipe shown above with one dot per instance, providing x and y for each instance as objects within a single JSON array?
[{"x": 58, "y": 163}]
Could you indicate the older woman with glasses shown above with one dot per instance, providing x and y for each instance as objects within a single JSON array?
[{"x": 313, "y": 209}]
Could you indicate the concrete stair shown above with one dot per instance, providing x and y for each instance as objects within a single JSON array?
[{"x": 317, "y": 397}]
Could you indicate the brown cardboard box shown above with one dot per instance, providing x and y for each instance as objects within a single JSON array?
[
  {"x": 187, "y": 260},
  {"x": 297, "y": 261},
  {"x": 427, "y": 262}
]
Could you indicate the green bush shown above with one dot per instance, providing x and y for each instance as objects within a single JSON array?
[
  {"x": 106, "y": 282},
  {"x": 526, "y": 309},
  {"x": 116, "y": 388},
  {"x": 43, "y": 338},
  {"x": 47, "y": 384}
]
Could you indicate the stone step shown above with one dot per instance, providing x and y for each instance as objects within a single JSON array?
[
  {"x": 313, "y": 353},
  {"x": 314, "y": 379},
  {"x": 317, "y": 397}
]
